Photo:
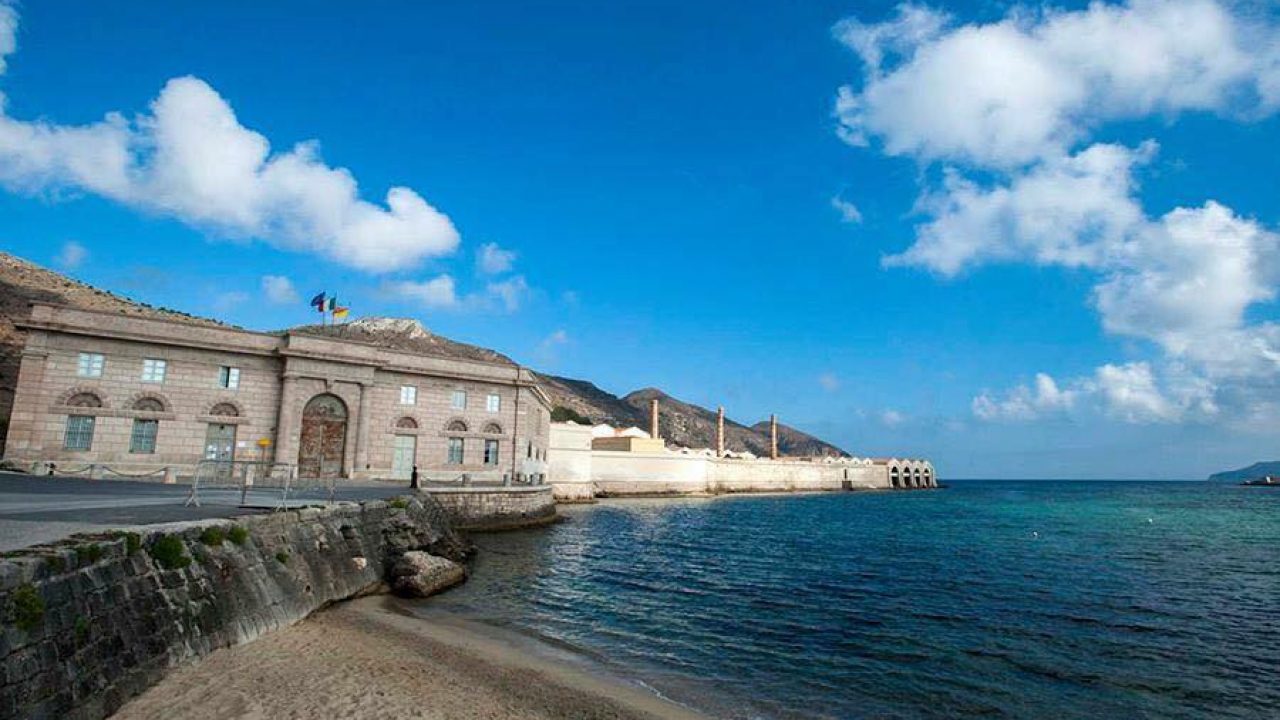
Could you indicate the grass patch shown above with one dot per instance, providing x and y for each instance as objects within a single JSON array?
[
  {"x": 28, "y": 607},
  {"x": 398, "y": 503},
  {"x": 237, "y": 534},
  {"x": 88, "y": 554},
  {"x": 169, "y": 551},
  {"x": 213, "y": 536},
  {"x": 282, "y": 557}
]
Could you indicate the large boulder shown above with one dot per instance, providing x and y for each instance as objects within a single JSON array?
[{"x": 420, "y": 574}]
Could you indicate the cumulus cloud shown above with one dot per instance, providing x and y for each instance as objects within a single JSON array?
[
  {"x": 8, "y": 33},
  {"x": 72, "y": 255},
  {"x": 189, "y": 157},
  {"x": 510, "y": 294},
  {"x": 892, "y": 418},
  {"x": 493, "y": 260},
  {"x": 436, "y": 293},
  {"x": 279, "y": 289},
  {"x": 1033, "y": 84},
  {"x": 849, "y": 213},
  {"x": 1025, "y": 403},
  {"x": 1004, "y": 111}
]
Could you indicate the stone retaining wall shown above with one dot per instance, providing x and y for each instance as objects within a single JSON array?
[
  {"x": 96, "y": 619},
  {"x": 470, "y": 508}
]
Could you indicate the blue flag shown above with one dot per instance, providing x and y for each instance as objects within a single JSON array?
[{"x": 318, "y": 303}]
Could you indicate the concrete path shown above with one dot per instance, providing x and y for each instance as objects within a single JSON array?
[{"x": 36, "y": 509}]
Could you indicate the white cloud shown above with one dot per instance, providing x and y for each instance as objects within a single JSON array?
[
  {"x": 829, "y": 382},
  {"x": 1031, "y": 85},
  {"x": 73, "y": 254},
  {"x": 892, "y": 418},
  {"x": 493, "y": 260},
  {"x": 436, "y": 293},
  {"x": 280, "y": 290},
  {"x": 509, "y": 294},
  {"x": 849, "y": 213},
  {"x": 1003, "y": 112},
  {"x": 1025, "y": 403},
  {"x": 547, "y": 351},
  {"x": 225, "y": 302},
  {"x": 190, "y": 158},
  {"x": 8, "y": 33}
]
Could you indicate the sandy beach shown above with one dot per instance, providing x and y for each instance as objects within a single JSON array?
[{"x": 369, "y": 659}]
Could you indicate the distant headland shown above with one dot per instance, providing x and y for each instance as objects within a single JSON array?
[{"x": 1256, "y": 470}]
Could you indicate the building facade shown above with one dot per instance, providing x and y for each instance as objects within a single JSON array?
[{"x": 140, "y": 395}]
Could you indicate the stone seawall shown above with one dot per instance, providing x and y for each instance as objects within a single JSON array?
[
  {"x": 95, "y": 619},
  {"x": 470, "y": 508}
]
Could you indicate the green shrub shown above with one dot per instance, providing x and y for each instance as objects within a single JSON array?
[
  {"x": 55, "y": 563},
  {"x": 28, "y": 607},
  {"x": 88, "y": 554},
  {"x": 282, "y": 557},
  {"x": 169, "y": 551},
  {"x": 82, "y": 629},
  {"x": 565, "y": 414},
  {"x": 132, "y": 541},
  {"x": 398, "y": 503},
  {"x": 237, "y": 534},
  {"x": 213, "y": 536}
]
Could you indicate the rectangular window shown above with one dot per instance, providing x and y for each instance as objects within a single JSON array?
[
  {"x": 143, "y": 438},
  {"x": 455, "y": 451},
  {"x": 229, "y": 377},
  {"x": 459, "y": 400},
  {"x": 408, "y": 395},
  {"x": 493, "y": 403},
  {"x": 79, "y": 432},
  {"x": 153, "y": 370},
  {"x": 490, "y": 452},
  {"x": 89, "y": 365}
]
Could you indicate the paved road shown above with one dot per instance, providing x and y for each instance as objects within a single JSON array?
[{"x": 36, "y": 509}]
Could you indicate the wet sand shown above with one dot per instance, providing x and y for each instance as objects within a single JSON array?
[{"x": 370, "y": 659}]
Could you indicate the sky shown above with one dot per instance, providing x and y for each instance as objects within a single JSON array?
[{"x": 1019, "y": 240}]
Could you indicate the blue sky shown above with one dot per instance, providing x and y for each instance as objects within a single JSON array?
[{"x": 668, "y": 195}]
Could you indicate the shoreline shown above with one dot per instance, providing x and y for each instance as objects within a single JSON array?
[{"x": 374, "y": 657}]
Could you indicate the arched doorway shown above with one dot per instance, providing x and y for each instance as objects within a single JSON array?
[
  {"x": 893, "y": 478},
  {"x": 323, "y": 444}
]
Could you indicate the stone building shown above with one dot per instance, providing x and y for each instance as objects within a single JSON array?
[{"x": 137, "y": 395}]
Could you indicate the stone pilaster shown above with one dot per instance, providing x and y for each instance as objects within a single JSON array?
[
  {"x": 287, "y": 422},
  {"x": 362, "y": 428},
  {"x": 773, "y": 437},
  {"x": 720, "y": 431}
]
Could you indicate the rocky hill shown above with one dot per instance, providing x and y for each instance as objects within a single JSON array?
[
  {"x": 685, "y": 424},
  {"x": 681, "y": 423},
  {"x": 1256, "y": 470}
]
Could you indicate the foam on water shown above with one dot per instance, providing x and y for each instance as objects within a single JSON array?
[{"x": 990, "y": 598}]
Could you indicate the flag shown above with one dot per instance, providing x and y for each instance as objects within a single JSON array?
[
  {"x": 331, "y": 304},
  {"x": 340, "y": 312},
  {"x": 318, "y": 303}
]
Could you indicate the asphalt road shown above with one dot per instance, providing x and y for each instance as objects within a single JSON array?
[{"x": 35, "y": 509}]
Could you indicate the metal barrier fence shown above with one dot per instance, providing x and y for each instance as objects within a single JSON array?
[{"x": 255, "y": 476}]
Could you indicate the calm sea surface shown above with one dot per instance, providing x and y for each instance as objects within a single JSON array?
[{"x": 996, "y": 599}]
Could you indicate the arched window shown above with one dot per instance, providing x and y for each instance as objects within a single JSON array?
[
  {"x": 456, "y": 426},
  {"x": 148, "y": 404},
  {"x": 493, "y": 429},
  {"x": 85, "y": 400},
  {"x": 407, "y": 423},
  {"x": 224, "y": 410}
]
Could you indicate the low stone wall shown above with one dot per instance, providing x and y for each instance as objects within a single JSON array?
[
  {"x": 649, "y": 474},
  {"x": 472, "y": 508},
  {"x": 93, "y": 620}
]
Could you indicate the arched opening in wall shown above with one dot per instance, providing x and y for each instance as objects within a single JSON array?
[
  {"x": 323, "y": 444},
  {"x": 148, "y": 404},
  {"x": 456, "y": 426},
  {"x": 928, "y": 477},
  {"x": 407, "y": 423},
  {"x": 918, "y": 481},
  {"x": 493, "y": 429},
  {"x": 894, "y": 478}
]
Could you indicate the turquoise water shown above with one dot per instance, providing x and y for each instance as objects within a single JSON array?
[{"x": 992, "y": 599}]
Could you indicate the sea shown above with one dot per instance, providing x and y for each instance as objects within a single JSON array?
[{"x": 1019, "y": 599}]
